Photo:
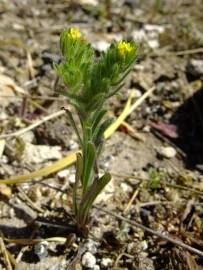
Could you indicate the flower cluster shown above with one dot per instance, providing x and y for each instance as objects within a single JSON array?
[
  {"x": 91, "y": 81},
  {"x": 124, "y": 48},
  {"x": 74, "y": 33}
]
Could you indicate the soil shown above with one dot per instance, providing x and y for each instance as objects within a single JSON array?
[{"x": 156, "y": 160}]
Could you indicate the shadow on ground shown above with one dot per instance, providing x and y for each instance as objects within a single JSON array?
[{"x": 189, "y": 121}]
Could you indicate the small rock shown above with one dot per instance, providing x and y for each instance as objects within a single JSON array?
[
  {"x": 96, "y": 267},
  {"x": 71, "y": 178},
  {"x": 40, "y": 153},
  {"x": 154, "y": 28},
  {"x": 106, "y": 262},
  {"x": 63, "y": 174},
  {"x": 92, "y": 246},
  {"x": 28, "y": 137},
  {"x": 100, "y": 45},
  {"x": 73, "y": 145},
  {"x": 3, "y": 115},
  {"x": 195, "y": 67},
  {"x": 153, "y": 43},
  {"x": 126, "y": 188},
  {"x": 88, "y": 260},
  {"x": 88, "y": 2},
  {"x": 41, "y": 250},
  {"x": 144, "y": 245},
  {"x": 139, "y": 35},
  {"x": 167, "y": 152}
]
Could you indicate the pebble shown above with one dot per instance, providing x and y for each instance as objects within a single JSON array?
[
  {"x": 144, "y": 245},
  {"x": 73, "y": 145},
  {"x": 153, "y": 43},
  {"x": 139, "y": 35},
  {"x": 96, "y": 267},
  {"x": 71, "y": 178},
  {"x": 154, "y": 28},
  {"x": 88, "y": 2},
  {"x": 92, "y": 246},
  {"x": 167, "y": 152},
  {"x": 106, "y": 262},
  {"x": 63, "y": 174},
  {"x": 41, "y": 250},
  {"x": 28, "y": 137},
  {"x": 126, "y": 188},
  {"x": 101, "y": 45},
  {"x": 40, "y": 153},
  {"x": 88, "y": 260},
  {"x": 195, "y": 67}
]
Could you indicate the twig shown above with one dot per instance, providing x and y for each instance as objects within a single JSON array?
[
  {"x": 38, "y": 123},
  {"x": 153, "y": 232},
  {"x": 38, "y": 106},
  {"x": 126, "y": 210},
  {"x": 5, "y": 254},
  {"x": 132, "y": 132},
  {"x": 141, "y": 99},
  {"x": 153, "y": 203},
  {"x": 185, "y": 188},
  {"x": 33, "y": 97}
]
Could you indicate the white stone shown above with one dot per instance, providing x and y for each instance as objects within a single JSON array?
[
  {"x": 88, "y": 2},
  {"x": 101, "y": 45},
  {"x": 28, "y": 137},
  {"x": 153, "y": 43},
  {"x": 73, "y": 145},
  {"x": 167, "y": 152},
  {"x": 106, "y": 262},
  {"x": 126, "y": 188},
  {"x": 96, "y": 267},
  {"x": 40, "y": 153},
  {"x": 154, "y": 28},
  {"x": 63, "y": 174},
  {"x": 71, "y": 178},
  {"x": 91, "y": 246},
  {"x": 88, "y": 260},
  {"x": 144, "y": 245},
  {"x": 139, "y": 35},
  {"x": 195, "y": 67}
]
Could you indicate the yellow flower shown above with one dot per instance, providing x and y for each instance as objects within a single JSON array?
[
  {"x": 124, "y": 48},
  {"x": 74, "y": 33}
]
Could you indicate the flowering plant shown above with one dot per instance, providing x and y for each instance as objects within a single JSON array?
[{"x": 90, "y": 82}]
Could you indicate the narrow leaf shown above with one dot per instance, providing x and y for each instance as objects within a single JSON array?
[
  {"x": 89, "y": 165},
  {"x": 79, "y": 169},
  {"x": 92, "y": 193}
]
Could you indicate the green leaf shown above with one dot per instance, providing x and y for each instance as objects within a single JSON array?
[
  {"x": 115, "y": 91},
  {"x": 99, "y": 131},
  {"x": 74, "y": 125},
  {"x": 97, "y": 118},
  {"x": 95, "y": 102},
  {"x": 88, "y": 165},
  {"x": 91, "y": 194},
  {"x": 79, "y": 169}
]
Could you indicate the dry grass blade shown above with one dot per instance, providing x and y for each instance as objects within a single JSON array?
[
  {"x": 35, "y": 241},
  {"x": 5, "y": 255},
  {"x": 70, "y": 159},
  {"x": 38, "y": 123}
]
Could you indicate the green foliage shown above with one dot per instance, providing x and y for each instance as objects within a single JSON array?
[
  {"x": 90, "y": 82},
  {"x": 155, "y": 178}
]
